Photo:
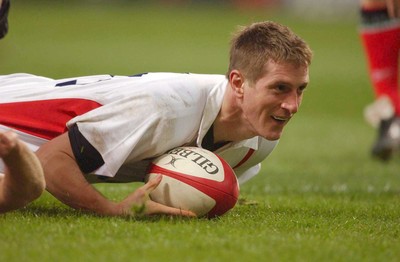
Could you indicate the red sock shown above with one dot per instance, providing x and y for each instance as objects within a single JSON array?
[{"x": 382, "y": 44}]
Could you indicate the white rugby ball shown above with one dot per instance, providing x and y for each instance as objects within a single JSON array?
[{"x": 194, "y": 179}]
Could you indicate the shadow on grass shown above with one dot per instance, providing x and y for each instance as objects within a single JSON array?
[
  {"x": 50, "y": 211},
  {"x": 58, "y": 211}
]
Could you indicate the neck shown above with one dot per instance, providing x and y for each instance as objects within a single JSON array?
[
  {"x": 229, "y": 131},
  {"x": 230, "y": 125}
]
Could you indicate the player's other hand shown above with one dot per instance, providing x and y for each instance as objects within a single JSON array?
[
  {"x": 139, "y": 203},
  {"x": 8, "y": 141}
]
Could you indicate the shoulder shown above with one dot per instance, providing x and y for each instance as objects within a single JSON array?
[
  {"x": 180, "y": 86},
  {"x": 182, "y": 79}
]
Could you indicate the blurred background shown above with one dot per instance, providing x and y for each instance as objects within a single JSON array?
[
  {"x": 324, "y": 147},
  {"x": 319, "y": 197},
  {"x": 98, "y": 36}
]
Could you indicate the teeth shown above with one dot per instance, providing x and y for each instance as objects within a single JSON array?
[{"x": 280, "y": 118}]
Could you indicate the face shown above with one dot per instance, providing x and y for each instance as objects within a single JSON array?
[{"x": 271, "y": 102}]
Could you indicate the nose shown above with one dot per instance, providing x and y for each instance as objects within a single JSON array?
[{"x": 291, "y": 104}]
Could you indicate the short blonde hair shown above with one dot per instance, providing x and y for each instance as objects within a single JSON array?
[{"x": 253, "y": 46}]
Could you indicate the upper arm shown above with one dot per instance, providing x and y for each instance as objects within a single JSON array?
[
  {"x": 62, "y": 174},
  {"x": 66, "y": 181},
  {"x": 56, "y": 155}
]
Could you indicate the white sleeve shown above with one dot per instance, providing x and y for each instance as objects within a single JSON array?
[
  {"x": 248, "y": 173},
  {"x": 245, "y": 158}
]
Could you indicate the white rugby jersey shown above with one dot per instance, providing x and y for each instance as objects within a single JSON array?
[{"x": 127, "y": 119}]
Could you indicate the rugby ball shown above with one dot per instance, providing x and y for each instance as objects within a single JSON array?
[{"x": 194, "y": 179}]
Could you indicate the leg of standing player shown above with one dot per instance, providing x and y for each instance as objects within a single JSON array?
[
  {"x": 380, "y": 34},
  {"x": 4, "y": 7},
  {"x": 23, "y": 179}
]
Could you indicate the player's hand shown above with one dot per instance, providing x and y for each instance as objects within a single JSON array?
[
  {"x": 139, "y": 203},
  {"x": 393, "y": 7},
  {"x": 8, "y": 141}
]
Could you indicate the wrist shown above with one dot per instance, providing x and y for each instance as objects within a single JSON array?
[{"x": 116, "y": 209}]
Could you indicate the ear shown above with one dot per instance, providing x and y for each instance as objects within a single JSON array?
[{"x": 236, "y": 81}]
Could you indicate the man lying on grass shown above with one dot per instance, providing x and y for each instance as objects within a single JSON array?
[{"x": 105, "y": 128}]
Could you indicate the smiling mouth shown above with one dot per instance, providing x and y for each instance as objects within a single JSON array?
[{"x": 281, "y": 119}]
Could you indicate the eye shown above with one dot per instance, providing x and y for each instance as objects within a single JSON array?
[
  {"x": 281, "y": 88},
  {"x": 301, "y": 89}
]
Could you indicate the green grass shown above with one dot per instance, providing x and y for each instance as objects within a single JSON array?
[{"x": 319, "y": 197}]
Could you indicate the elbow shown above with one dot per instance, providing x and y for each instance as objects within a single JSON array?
[
  {"x": 37, "y": 189},
  {"x": 15, "y": 198},
  {"x": 37, "y": 183},
  {"x": 31, "y": 190}
]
